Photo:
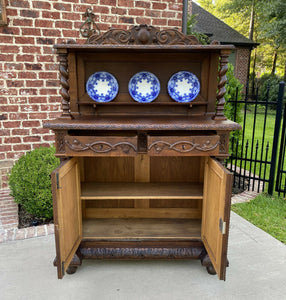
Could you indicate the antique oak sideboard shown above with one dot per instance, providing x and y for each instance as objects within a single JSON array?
[{"x": 142, "y": 180}]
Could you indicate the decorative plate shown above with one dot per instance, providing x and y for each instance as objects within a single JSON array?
[
  {"x": 102, "y": 87},
  {"x": 144, "y": 87},
  {"x": 183, "y": 86}
]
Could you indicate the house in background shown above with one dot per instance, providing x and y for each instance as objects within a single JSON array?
[{"x": 219, "y": 31}]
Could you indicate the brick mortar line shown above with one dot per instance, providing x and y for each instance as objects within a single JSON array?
[{"x": 9, "y": 215}]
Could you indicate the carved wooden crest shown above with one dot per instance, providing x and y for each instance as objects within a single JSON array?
[{"x": 143, "y": 35}]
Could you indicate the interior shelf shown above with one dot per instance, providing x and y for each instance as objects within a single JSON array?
[
  {"x": 134, "y": 229},
  {"x": 123, "y": 190}
]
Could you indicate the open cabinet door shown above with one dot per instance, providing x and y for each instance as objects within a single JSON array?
[
  {"x": 67, "y": 212},
  {"x": 216, "y": 213}
]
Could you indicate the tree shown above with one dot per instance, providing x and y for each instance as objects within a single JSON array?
[
  {"x": 265, "y": 23},
  {"x": 274, "y": 29},
  {"x": 231, "y": 12}
]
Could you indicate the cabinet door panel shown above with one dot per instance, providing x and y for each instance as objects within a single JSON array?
[
  {"x": 216, "y": 211},
  {"x": 67, "y": 212}
]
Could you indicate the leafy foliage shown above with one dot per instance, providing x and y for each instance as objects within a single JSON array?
[
  {"x": 203, "y": 39},
  {"x": 228, "y": 11},
  {"x": 233, "y": 93},
  {"x": 268, "y": 85},
  {"x": 269, "y": 27},
  {"x": 275, "y": 27},
  {"x": 30, "y": 181}
]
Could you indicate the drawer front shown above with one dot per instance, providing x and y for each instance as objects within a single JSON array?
[
  {"x": 100, "y": 146},
  {"x": 183, "y": 145}
]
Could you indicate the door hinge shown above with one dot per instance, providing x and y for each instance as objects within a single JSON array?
[
  {"x": 222, "y": 226},
  {"x": 58, "y": 181}
]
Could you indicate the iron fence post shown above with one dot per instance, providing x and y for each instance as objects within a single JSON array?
[{"x": 276, "y": 137}]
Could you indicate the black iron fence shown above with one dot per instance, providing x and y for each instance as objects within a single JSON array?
[
  {"x": 254, "y": 150},
  {"x": 280, "y": 185}
]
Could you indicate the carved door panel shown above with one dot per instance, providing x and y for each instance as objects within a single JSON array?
[
  {"x": 216, "y": 212},
  {"x": 67, "y": 212}
]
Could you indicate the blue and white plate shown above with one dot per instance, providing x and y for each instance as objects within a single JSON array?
[
  {"x": 144, "y": 87},
  {"x": 183, "y": 86},
  {"x": 102, "y": 87}
]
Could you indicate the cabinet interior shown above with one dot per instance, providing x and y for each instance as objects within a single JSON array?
[{"x": 141, "y": 197}]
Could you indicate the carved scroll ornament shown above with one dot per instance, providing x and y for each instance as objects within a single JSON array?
[
  {"x": 140, "y": 253},
  {"x": 223, "y": 143},
  {"x": 143, "y": 35},
  {"x": 183, "y": 146},
  {"x": 60, "y": 140},
  {"x": 101, "y": 146}
]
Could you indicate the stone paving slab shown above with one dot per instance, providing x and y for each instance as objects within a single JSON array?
[
  {"x": 257, "y": 271},
  {"x": 243, "y": 197}
]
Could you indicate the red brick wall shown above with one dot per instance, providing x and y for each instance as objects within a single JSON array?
[{"x": 29, "y": 70}]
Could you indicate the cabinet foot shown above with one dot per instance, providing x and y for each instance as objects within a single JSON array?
[
  {"x": 206, "y": 262},
  {"x": 211, "y": 270},
  {"x": 76, "y": 260},
  {"x": 74, "y": 264},
  {"x": 71, "y": 270}
]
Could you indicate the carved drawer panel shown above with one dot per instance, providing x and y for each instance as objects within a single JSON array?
[
  {"x": 183, "y": 145},
  {"x": 100, "y": 145}
]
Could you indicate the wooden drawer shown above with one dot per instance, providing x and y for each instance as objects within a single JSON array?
[
  {"x": 100, "y": 145},
  {"x": 183, "y": 145}
]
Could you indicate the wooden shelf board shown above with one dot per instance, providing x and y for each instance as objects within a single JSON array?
[
  {"x": 123, "y": 190},
  {"x": 146, "y": 123},
  {"x": 137, "y": 103},
  {"x": 175, "y": 213},
  {"x": 134, "y": 229}
]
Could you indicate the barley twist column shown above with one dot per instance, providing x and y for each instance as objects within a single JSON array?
[
  {"x": 64, "y": 91},
  {"x": 219, "y": 115}
]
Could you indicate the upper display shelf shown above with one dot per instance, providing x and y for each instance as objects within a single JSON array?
[
  {"x": 149, "y": 48},
  {"x": 165, "y": 71}
]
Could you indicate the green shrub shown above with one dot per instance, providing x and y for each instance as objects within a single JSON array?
[
  {"x": 268, "y": 85},
  {"x": 30, "y": 181},
  {"x": 191, "y": 22},
  {"x": 233, "y": 92},
  {"x": 233, "y": 111}
]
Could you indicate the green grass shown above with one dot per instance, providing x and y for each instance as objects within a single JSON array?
[
  {"x": 259, "y": 125},
  {"x": 267, "y": 213}
]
